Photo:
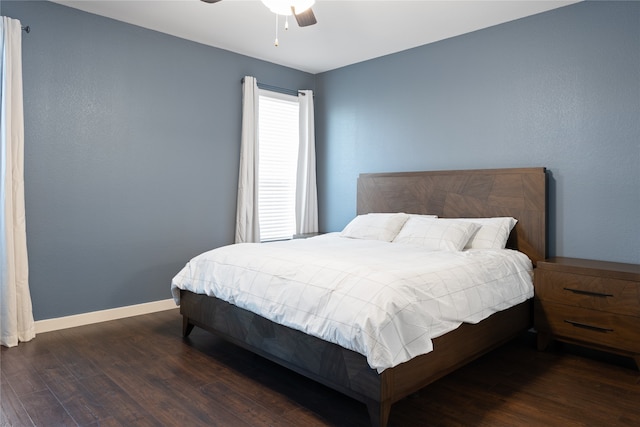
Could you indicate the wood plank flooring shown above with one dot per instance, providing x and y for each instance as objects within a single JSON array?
[{"x": 140, "y": 372}]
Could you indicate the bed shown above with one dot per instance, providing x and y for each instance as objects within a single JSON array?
[{"x": 519, "y": 193}]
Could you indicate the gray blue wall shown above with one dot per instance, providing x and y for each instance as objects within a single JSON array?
[
  {"x": 131, "y": 155},
  {"x": 132, "y": 138},
  {"x": 560, "y": 89}
]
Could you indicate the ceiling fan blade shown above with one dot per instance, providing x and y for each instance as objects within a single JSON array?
[
  {"x": 305, "y": 18},
  {"x": 211, "y": 1}
]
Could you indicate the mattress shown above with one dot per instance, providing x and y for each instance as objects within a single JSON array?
[{"x": 384, "y": 300}]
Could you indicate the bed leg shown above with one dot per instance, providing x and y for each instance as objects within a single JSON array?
[
  {"x": 543, "y": 340},
  {"x": 186, "y": 326},
  {"x": 379, "y": 412}
]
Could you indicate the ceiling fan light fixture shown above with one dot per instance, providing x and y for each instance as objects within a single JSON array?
[{"x": 284, "y": 7}]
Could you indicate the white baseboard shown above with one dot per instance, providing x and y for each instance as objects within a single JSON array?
[{"x": 48, "y": 325}]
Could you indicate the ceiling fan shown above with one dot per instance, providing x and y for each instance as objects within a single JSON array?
[{"x": 301, "y": 9}]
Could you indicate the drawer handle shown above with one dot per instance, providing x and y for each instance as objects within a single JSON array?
[
  {"x": 590, "y": 327},
  {"x": 593, "y": 294}
]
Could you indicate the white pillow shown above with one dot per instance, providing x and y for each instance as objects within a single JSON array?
[
  {"x": 375, "y": 226},
  {"x": 436, "y": 234},
  {"x": 493, "y": 232}
]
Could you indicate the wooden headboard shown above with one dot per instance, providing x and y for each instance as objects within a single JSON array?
[{"x": 520, "y": 193}]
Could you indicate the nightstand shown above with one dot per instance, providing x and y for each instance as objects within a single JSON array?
[
  {"x": 307, "y": 235},
  {"x": 590, "y": 303}
]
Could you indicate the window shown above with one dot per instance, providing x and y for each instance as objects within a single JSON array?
[{"x": 278, "y": 136}]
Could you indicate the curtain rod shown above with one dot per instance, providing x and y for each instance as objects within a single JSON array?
[
  {"x": 293, "y": 92},
  {"x": 26, "y": 29}
]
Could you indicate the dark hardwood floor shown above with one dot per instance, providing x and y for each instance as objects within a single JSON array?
[{"x": 140, "y": 372}]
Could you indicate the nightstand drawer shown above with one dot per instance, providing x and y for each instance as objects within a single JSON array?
[
  {"x": 605, "y": 329},
  {"x": 597, "y": 293}
]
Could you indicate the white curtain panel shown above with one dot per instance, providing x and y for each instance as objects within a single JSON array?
[
  {"x": 247, "y": 218},
  {"x": 306, "y": 192},
  {"x": 16, "y": 316}
]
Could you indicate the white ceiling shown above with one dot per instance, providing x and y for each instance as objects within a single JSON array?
[{"x": 347, "y": 32}]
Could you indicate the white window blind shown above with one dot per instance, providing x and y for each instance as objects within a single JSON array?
[{"x": 278, "y": 139}]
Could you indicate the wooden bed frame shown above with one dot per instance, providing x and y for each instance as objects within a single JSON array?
[{"x": 520, "y": 193}]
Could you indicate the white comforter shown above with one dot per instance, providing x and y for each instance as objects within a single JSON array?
[{"x": 386, "y": 301}]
